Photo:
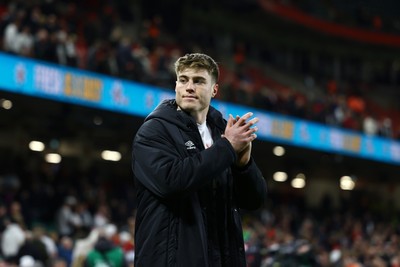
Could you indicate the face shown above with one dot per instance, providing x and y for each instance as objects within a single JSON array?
[{"x": 194, "y": 90}]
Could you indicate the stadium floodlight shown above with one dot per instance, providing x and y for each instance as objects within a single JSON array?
[
  {"x": 36, "y": 146},
  {"x": 111, "y": 155},
  {"x": 53, "y": 158},
  {"x": 347, "y": 183},
  {"x": 280, "y": 176},
  {"x": 6, "y": 104},
  {"x": 279, "y": 151},
  {"x": 298, "y": 182}
]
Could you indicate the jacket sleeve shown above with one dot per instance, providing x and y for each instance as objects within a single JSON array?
[
  {"x": 250, "y": 187},
  {"x": 159, "y": 167}
]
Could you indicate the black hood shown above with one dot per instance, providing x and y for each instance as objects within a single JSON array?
[{"x": 168, "y": 110}]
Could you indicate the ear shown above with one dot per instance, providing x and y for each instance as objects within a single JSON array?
[{"x": 215, "y": 90}]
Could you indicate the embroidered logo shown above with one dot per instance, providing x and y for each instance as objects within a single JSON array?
[{"x": 190, "y": 145}]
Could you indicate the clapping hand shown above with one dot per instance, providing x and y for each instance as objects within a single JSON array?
[{"x": 240, "y": 134}]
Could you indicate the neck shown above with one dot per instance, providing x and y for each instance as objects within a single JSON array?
[{"x": 199, "y": 116}]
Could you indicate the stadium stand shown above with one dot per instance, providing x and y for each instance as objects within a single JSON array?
[
  {"x": 111, "y": 39},
  {"x": 101, "y": 45}
]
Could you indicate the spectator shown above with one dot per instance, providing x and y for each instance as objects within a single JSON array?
[
  {"x": 105, "y": 252},
  {"x": 66, "y": 50},
  {"x": 85, "y": 218},
  {"x": 66, "y": 218},
  {"x": 125, "y": 241},
  {"x": 16, "y": 215},
  {"x": 11, "y": 32},
  {"x": 101, "y": 218},
  {"x": 24, "y": 42},
  {"x": 65, "y": 249},
  {"x": 41, "y": 44},
  {"x": 370, "y": 126},
  {"x": 83, "y": 247},
  {"x": 27, "y": 261},
  {"x": 12, "y": 239},
  {"x": 36, "y": 19},
  {"x": 49, "y": 243},
  {"x": 385, "y": 129},
  {"x": 35, "y": 247},
  {"x": 141, "y": 55}
]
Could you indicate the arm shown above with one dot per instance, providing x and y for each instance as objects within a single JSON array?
[
  {"x": 159, "y": 167},
  {"x": 250, "y": 187}
]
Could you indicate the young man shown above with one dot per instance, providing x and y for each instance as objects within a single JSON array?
[{"x": 193, "y": 172}]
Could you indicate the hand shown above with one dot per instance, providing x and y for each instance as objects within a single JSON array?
[
  {"x": 240, "y": 133},
  {"x": 245, "y": 154}
]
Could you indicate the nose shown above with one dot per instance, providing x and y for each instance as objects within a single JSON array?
[{"x": 190, "y": 86}]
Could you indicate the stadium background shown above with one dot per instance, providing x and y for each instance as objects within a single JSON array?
[{"x": 331, "y": 63}]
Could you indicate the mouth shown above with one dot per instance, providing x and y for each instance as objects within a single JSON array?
[{"x": 190, "y": 97}]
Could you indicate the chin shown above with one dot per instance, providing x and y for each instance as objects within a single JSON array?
[{"x": 187, "y": 107}]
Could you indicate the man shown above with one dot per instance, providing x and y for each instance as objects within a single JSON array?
[
  {"x": 193, "y": 171},
  {"x": 105, "y": 253}
]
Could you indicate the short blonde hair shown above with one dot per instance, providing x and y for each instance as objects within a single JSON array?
[{"x": 198, "y": 61}]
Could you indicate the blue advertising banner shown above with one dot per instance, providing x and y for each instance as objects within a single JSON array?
[
  {"x": 45, "y": 80},
  {"x": 39, "y": 79}
]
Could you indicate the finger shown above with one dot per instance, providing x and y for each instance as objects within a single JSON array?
[
  {"x": 250, "y": 132},
  {"x": 253, "y": 129},
  {"x": 250, "y": 123},
  {"x": 245, "y": 117},
  {"x": 253, "y": 121},
  {"x": 235, "y": 119},
  {"x": 230, "y": 120},
  {"x": 252, "y": 137}
]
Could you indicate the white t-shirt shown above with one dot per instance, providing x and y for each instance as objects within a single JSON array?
[{"x": 205, "y": 134}]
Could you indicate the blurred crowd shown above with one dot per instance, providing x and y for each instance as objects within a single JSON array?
[
  {"x": 57, "y": 217},
  {"x": 288, "y": 234},
  {"x": 112, "y": 41},
  {"x": 367, "y": 15},
  {"x": 60, "y": 216}
]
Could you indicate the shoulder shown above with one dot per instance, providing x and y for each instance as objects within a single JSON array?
[{"x": 152, "y": 127}]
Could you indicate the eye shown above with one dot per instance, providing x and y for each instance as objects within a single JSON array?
[
  {"x": 199, "y": 81},
  {"x": 182, "y": 80}
]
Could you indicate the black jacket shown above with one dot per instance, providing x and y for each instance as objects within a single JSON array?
[{"x": 188, "y": 196}]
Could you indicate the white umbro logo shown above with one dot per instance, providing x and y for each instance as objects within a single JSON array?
[{"x": 190, "y": 145}]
